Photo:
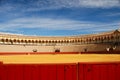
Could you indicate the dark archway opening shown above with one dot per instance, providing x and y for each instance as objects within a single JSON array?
[
  {"x": 57, "y": 50},
  {"x": 34, "y": 50}
]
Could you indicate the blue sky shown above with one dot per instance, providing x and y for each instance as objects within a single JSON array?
[{"x": 59, "y": 17}]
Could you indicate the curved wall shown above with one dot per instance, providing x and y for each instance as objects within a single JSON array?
[
  {"x": 94, "y": 42},
  {"x": 72, "y": 48}
]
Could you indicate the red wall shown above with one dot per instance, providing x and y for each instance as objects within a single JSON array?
[
  {"x": 80, "y": 71},
  {"x": 38, "y": 72},
  {"x": 102, "y": 71}
]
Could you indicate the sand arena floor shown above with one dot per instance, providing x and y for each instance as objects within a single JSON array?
[{"x": 58, "y": 58}]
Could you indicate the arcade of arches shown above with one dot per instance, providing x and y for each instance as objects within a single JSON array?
[{"x": 93, "y": 42}]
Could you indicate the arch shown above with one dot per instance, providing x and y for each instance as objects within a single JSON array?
[
  {"x": 46, "y": 41},
  {"x": 96, "y": 39},
  {"x": 29, "y": 41},
  {"x": 18, "y": 41},
  {"x": 55, "y": 41},
  {"x": 107, "y": 38},
  {"x": 14, "y": 40},
  {"x": 59, "y": 41},
  {"x": 32, "y": 41},
  {"x": 25, "y": 41},
  {"x": 111, "y": 37},
  {"x": 22, "y": 41},
  {"x": 67, "y": 41},
  {"x": 73, "y": 40},
  {"x": 87, "y": 40},
  {"x": 36, "y": 41},
  {"x": 50, "y": 41},
  {"x": 90, "y": 39},
  {"x": 6, "y": 40},
  {"x": 76, "y": 40},
  {"x": 11, "y": 40},
  {"x": 57, "y": 50},
  {"x": 39, "y": 41},
  {"x": 62, "y": 41},
  {"x": 34, "y": 50},
  {"x": 99, "y": 38},
  {"x": 43, "y": 41}
]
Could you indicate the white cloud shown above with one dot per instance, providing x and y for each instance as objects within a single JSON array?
[
  {"x": 14, "y": 10},
  {"x": 54, "y": 4},
  {"x": 37, "y": 5},
  {"x": 100, "y": 3},
  {"x": 56, "y": 24},
  {"x": 34, "y": 5}
]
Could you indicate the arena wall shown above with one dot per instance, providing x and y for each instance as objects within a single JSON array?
[{"x": 66, "y": 48}]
